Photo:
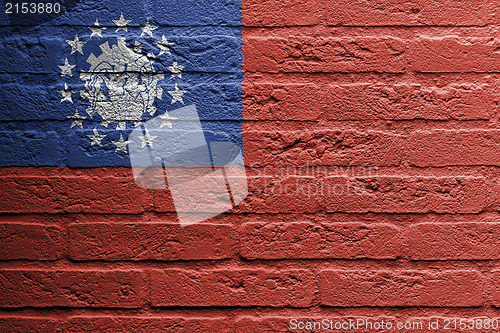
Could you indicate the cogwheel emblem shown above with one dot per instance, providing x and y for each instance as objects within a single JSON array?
[
  {"x": 121, "y": 82},
  {"x": 121, "y": 85}
]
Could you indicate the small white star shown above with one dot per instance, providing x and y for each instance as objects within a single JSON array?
[
  {"x": 148, "y": 29},
  {"x": 176, "y": 70},
  {"x": 66, "y": 68},
  {"x": 166, "y": 120},
  {"x": 177, "y": 95},
  {"x": 97, "y": 29},
  {"x": 121, "y": 23},
  {"x": 138, "y": 47},
  {"x": 121, "y": 145},
  {"x": 96, "y": 138},
  {"x": 164, "y": 45},
  {"x": 77, "y": 120},
  {"x": 66, "y": 94},
  {"x": 76, "y": 45},
  {"x": 147, "y": 140}
]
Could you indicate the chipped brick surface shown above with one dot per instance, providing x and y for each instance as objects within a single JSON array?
[{"x": 370, "y": 134}]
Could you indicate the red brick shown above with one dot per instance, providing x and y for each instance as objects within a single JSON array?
[
  {"x": 395, "y": 194},
  {"x": 44, "y": 288},
  {"x": 279, "y": 194},
  {"x": 404, "y": 101},
  {"x": 454, "y": 241},
  {"x": 309, "y": 324},
  {"x": 31, "y": 241},
  {"x": 319, "y": 241},
  {"x": 464, "y": 147},
  {"x": 323, "y": 54},
  {"x": 273, "y": 101},
  {"x": 408, "y": 13},
  {"x": 263, "y": 324},
  {"x": 155, "y": 241},
  {"x": 495, "y": 276},
  {"x": 406, "y": 288},
  {"x": 367, "y": 101},
  {"x": 232, "y": 287},
  {"x": 265, "y": 13},
  {"x": 119, "y": 324},
  {"x": 323, "y": 148},
  {"x": 31, "y": 324},
  {"x": 453, "y": 54},
  {"x": 456, "y": 324},
  {"x": 71, "y": 194}
]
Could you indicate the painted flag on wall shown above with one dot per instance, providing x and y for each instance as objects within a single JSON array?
[
  {"x": 77, "y": 81},
  {"x": 369, "y": 131}
]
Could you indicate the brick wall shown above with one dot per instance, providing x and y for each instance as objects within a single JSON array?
[{"x": 372, "y": 139}]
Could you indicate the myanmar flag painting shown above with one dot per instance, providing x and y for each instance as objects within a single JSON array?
[{"x": 249, "y": 166}]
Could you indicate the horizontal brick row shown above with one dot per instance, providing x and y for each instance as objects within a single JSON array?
[
  {"x": 410, "y": 13},
  {"x": 53, "y": 190},
  {"x": 238, "y": 287},
  {"x": 443, "y": 148},
  {"x": 157, "y": 241},
  {"x": 268, "y": 193},
  {"x": 305, "y": 240},
  {"x": 268, "y": 146},
  {"x": 251, "y": 240},
  {"x": 323, "y": 54},
  {"x": 25, "y": 101},
  {"x": 223, "y": 55},
  {"x": 32, "y": 241},
  {"x": 115, "y": 324},
  {"x": 436, "y": 148},
  {"x": 407, "y": 288},
  {"x": 49, "y": 288},
  {"x": 382, "y": 194},
  {"x": 276, "y": 13},
  {"x": 271, "y": 13},
  {"x": 385, "y": 54},
  {"x": 240, "y": 324},
  {"x": 323, "y": 147},
  {"x": 294, "y": 146},
  {"x": 366, "y": 101},
  {"x": 200, "y": 14},
  {"x": 363, "y": 323}
]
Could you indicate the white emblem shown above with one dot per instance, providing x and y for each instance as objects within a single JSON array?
[
  {"x": 121, "y": 82},
  {"x": 121, "y": 85}
]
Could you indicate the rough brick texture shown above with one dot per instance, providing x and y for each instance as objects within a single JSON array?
[
  {"x": 31, "y": 241},
  {"x": 443, "y": 148},
  {"x": 236, "y": 287},
  {"x": 103, "y": 241},
  {"x": 405, "y": 194},
  {"x": 453, "y": 54},
  {"x": 364, "y": 101},
  {"x": 454, "y": 241},
  {"x": 496, "y": 288},
  {"x": 406, "y": 288},
  {"x": 48, "y": 288},
  {"x": 409, "y": 13},
  {"x": 324, "y": 54},
  {"x": 309, "y": 241},
  {"x": 370, "y": 131}
]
